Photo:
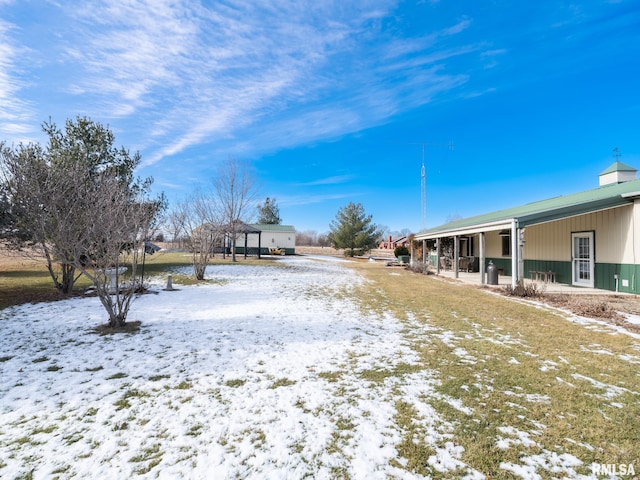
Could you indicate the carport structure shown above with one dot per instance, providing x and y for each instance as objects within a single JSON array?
[{"x": 241, "y": 229}]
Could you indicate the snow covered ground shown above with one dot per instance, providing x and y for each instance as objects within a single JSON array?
[
  {"x": 230, "y": 380},
  {"x": 255, "y": 375}
]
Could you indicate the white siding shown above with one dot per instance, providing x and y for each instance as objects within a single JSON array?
[
  {"x": 615, "y": 240},
  {"x": 493, "y": 245},
  {"x": 270, "y": 239}
]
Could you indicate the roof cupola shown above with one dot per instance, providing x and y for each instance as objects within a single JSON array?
[{"x": 617, "y": 172}]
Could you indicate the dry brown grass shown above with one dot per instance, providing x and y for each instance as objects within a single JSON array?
[
  {"x": 25, "y": 279},
  {"x": 572, "y": 388},
  {"x": 332, "y": 252}
]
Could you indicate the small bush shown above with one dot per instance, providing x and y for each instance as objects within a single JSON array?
[
  {"x": 529, "y": 290},
  {"x": 593, "y": 309},
  {"x": 419, "y": 267},
  {"x": 400, "y": 250}
]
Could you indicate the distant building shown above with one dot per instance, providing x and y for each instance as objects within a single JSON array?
[
  {"x": 391, "y": 243},
  {"x": 270, "y": 237}
]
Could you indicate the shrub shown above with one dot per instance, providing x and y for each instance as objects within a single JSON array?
[
  {"x": 531, "y": 290},
  {"x": 419, "y": 267},
  {"x": 400, "y": 250},
  {"x": 354, "y": 252}
]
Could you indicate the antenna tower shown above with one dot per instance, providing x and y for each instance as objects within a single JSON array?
[
  {"x": 423, "y": 177},
  {"x": 423, "y": 191}
]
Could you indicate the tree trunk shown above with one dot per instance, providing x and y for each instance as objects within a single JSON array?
[
  {"x": 199, "y": 271},
  {"x": 68, "y": 273},
  {"x": 68, "y": 278},
  {"x": 118, "y": 321}
]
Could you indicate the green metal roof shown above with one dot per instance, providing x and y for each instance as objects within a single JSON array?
[
  {"x": 618, "y": 167},
  {"x": 607, "y": 196},
  {"x": 274, "y": 227}
]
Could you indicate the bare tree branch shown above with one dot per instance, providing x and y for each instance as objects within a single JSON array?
[{"x": 236, "y": 191}]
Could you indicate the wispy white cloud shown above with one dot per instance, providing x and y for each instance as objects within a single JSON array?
[
  {"x": 129, "y": 50},
  {"x": 247, "y": 76},
  {"x": 15, "y": 113},
  {"x": 298, "y": 200},
  {"x": 244, "y": 77},
  {"x": 335, "y": 180}
]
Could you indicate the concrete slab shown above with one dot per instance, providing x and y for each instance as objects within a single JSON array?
[{"x": 504, "y": 280}]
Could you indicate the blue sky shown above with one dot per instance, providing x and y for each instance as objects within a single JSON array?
[{"x": 331, "y": 101}]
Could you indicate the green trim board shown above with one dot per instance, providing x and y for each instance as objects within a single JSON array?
[
  {"x": 562, "y": 270},
  {"x": 604, "y": 273},
  {"x": 502, "y": 263},
  {"x": 263, "y": 251},
  {"x": 628, "y": 277},
  {"x": 264, "y": 227}
]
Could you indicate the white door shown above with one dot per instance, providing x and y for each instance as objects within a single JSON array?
[{"x": 583, "y": 259}]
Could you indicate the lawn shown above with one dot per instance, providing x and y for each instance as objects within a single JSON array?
[
  {"x": 551, "y": 387},
  {"x": 25, "y": 279},
  {"x": 315, "y": 368}
]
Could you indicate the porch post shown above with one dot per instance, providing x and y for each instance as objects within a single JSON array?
[
  {"x": 424, "y": 252},
  {"x": 438, "y": 253},
  {"x": 224, "y": 245},
  {"x": 521, "y": 242},
  {"x": 259, "y": 242},
  {"x": 456, "y": 253},
  {"x": 514, "y": 253},
  {"x": 482, "y": 259}
]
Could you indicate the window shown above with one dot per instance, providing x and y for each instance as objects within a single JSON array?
[
  {"x": 505, "y": 235},
  {"x": 467, "y": 247}
]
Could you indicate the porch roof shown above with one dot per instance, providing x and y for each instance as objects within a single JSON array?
[
  {"x": 274, "y": 227},
  {"x": 565, "y": 206}
]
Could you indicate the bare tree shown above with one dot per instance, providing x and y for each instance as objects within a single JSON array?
[
  {"x": 200, "y": 220},
  {"x": 78, "y": 204},
  {"x": 236, "y": 191},
  {"x": 308, "y": 237},
  {"x": 175, "y": 223},
  {"x": 32, "y": 185},
  {"x": 58, "y": 179},
  {"x": 323, "y": 240},
  {"x": 108, "y": 249}
]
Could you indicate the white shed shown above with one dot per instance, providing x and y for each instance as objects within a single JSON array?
[{"x": 272, "y": 236}]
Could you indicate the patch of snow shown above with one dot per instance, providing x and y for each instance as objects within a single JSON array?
[
  {"x": 521, "y": 438},
  {"x": 610, "y": 391},
  {"x": 548, "y": 365},
  {"x": 553, "y": 463},
  {"x": 630, "y": 318},
  {"x": 595, "y": 349}
]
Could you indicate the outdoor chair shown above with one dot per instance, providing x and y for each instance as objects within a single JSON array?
[
  {"x": 472, "y": 261},
  {"x": 463, "y": 263}
]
